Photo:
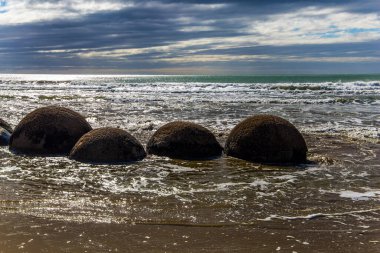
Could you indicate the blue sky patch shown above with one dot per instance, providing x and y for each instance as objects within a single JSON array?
[{"x": 362, "y": 30}]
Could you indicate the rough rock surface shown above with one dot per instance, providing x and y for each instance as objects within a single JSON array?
[
  {"x": 49, "y": 130},
  {"x": 268, "y": 139},
  {"x": 107, "y": 145},
  {"x": 184, "y": 140}
]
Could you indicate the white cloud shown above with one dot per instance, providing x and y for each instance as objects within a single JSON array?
[
  {"x": 215, "y": 58},
  {"x": 316, "y": 26},
  {"x": 187, "y": 56},
  {"x": 306, "y": 26},
  {"x": 255, "y": 58},
  {"x": 197, "y": 29},
  {"x": 189, "y": 7},
  {"x": 120, "y": 53},
  {"x": 23, "y": 11}
]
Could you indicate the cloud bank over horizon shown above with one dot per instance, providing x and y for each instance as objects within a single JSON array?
[{"x": 190, "y": 37}]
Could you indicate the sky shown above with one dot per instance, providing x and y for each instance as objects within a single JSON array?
[{"x": 242, "y": 37}]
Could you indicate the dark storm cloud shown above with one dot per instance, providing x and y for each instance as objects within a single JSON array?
[{"x": 166, "y": 34}]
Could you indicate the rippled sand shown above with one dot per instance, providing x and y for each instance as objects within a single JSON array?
[{"x": 331, "y": 204}]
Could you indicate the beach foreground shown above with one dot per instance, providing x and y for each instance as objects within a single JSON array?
[
  {"x": 161, "y": 204},
  {"x": 317, "y": 235}
]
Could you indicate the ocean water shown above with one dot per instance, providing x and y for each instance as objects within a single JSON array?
[{"x": 226, "y": 204}]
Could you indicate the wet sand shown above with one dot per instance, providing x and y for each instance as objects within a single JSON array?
[{"x": 344, "y": 234}]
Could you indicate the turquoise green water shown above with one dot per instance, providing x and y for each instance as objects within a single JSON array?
[{"x": 257, "y": 79}]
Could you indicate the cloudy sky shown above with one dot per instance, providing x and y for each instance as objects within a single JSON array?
[{"x": 190, "y": 36}]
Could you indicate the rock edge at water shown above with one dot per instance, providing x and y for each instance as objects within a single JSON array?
[
  {"x": 6, "y": 126},
  {"x": 5, "y": 133}
]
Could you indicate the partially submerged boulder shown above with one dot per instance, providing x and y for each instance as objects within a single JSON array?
[
  {"x": 184, "y": 140},
  {"x": 268, "y": 139},
  {"x": 5, "y": 133},
  {"x": 6, "y": 126},
  {"x": 5, "y": 137},
  {"x": 107, "y": 145},
  {"x": 49, "y": 130}
]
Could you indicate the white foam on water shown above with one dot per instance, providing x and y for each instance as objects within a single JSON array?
[
  {"x": 6, "y": 172},
  {"x": 228, "y": 186},
  {"x": 356, "y": 196},
  {"x": 318, "y": 215},
  {"x": 179, "y": 169},
  {"x": 287, "y": 178},
  {"x": 262, "y": 184},
  {"x": 358, "y": 132},
  {"x": 363, "y": 174}
]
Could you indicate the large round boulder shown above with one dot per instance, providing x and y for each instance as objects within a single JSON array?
[
  {"x": 49, "y": 130},
  {"x": 184, "y": 140},
  {"x": 267, "y": 139},
  {"x": 107, "y": 145},
  {"x": 5, "y": 133}
]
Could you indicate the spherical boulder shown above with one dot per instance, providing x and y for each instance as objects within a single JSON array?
[
  {"x": 267, "y": 139},
  {"x": 184, "y": 140},
  {"x": 107, "y": 145},
  {"x": 49, "y": 130}
]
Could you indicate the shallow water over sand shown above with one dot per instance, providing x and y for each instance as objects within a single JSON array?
[{"x": 161, "y": 204}]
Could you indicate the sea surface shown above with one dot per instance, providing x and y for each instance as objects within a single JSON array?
[{"x": 330, "y": 204}]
